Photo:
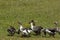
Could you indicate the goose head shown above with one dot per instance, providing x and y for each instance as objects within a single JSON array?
[
  {"x": 32, "y": 22},
  {"x": 56, "y": 23}
]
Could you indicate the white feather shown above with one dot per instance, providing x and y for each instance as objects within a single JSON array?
[
  {"x": 21, "y": 27},
  {"x": 25, "y": 32},
  {"x": 48, "y": 31},
  {"x": 29, "y": 31},
  {"x": 32, "y": 26}
]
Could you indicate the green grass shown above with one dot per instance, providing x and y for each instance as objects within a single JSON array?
[{"x": 44, "y": 12}]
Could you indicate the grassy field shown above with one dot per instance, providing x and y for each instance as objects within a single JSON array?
[{"x": 44, "y": 12}]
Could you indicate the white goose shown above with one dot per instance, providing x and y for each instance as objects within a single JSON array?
[
  {"x": 50, "y": 31},
  {"x": 25, "y": 31}
]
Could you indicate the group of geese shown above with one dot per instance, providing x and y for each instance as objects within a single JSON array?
[{"x": 38, "y": 30}]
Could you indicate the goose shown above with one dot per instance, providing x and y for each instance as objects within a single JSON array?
[
  {"x": 50, "y": 31},
  {"x": 35, "y": 29},
  {"x": 11, "y": 30},
  {"x": 25, "y": 31}
]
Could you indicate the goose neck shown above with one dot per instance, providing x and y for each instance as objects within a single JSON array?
[
  {"x": 21, "y": 27},
  {"x": 32, "y": 25}
]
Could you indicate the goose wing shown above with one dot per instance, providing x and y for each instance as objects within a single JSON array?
[{"x": 37, "y": 28}]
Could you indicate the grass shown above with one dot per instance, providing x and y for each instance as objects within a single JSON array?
[{"x": 44, "y": 12}]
